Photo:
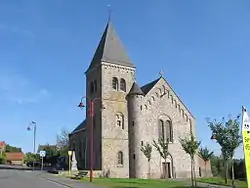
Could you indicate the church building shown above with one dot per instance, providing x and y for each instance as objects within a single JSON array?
[{"x": 128, "y": 116}]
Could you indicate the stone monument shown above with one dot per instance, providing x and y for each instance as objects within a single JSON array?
[{"x": 74, "y": 162}]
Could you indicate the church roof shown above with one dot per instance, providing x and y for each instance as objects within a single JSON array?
[
  {"x": 146, "y": 88},
  {"x": 135, "y": 90},
  {"x": 110, "y": 49},
  {"x": 79, "y": 127}
]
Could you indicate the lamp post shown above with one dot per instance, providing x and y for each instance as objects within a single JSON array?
[
  {"x": 92, "y": 113},
  {"x": 33, "y": 125}
]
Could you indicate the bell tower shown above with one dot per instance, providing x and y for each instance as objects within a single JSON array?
[{"x": 109, "y": 78}]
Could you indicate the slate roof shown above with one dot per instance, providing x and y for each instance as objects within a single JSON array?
[
  {"x": 110, "y": 49},
  {"x": 146, "y": 88},
  {"x": 135, "y": 90},
  {"x": 79, "y": 127}
]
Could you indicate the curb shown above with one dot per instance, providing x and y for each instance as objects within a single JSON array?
[{"x": 66, "y": 185}]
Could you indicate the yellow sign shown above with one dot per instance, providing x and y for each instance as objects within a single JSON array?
[
  {"x": 246, "y": 142},
  {"x": 69, "y": 153}
]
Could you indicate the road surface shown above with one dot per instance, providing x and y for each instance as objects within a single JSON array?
[
  {"x": 11, "y": 178},
  {"x": 19, "y": 177}
]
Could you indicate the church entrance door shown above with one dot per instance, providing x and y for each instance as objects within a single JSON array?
[{"x": 166, "y": 169}]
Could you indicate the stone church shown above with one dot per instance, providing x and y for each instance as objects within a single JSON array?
[{"x": 127, "y": 116}]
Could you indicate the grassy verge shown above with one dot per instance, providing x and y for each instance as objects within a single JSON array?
[
  {"x": 137, "y": 183},
  {"x": 220, "y": 181}
]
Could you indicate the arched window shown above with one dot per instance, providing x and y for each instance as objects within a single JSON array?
[
  {"x": 120, "y": 158},
  {"x": 149, "y": 102},
  {"x": 120, "y": 120},
  {"x": 169, "y": 131},
  {"x": 95, "y": 86},
  {"x": 73, "y": 147},
  {"x": 91, "y": 87},
  {"x": 153, "y": 98},
  {"x": 115, "y": 83},
  {"x": 161, "y": 128},
  {"x": 80, "y": 149},
  {"x": 123, "y": 85}
]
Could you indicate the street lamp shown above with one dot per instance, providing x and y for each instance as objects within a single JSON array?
[
  {"x": 92, "y": 113},
  {"x": 33, "y": 126}
]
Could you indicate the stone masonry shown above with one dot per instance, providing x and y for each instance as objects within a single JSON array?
[{"x": 128, "y": 116}]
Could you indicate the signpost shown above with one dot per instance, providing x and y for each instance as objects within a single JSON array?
[
  {"x": 69, "y": 154},
  {"x": 42, "y": 155}
]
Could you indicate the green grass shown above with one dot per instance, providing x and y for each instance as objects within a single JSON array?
[
  {"x": 137, "y": 183},
  {"x": 221, "y": 181}
]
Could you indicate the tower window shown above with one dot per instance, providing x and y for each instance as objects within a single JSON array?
[
  {"x": 123, "y": 85},
  {"x": 91, "y": 87},
  {"x": 120, "y": 120},
  {"x": 115, "y": 83},
  {"x": 120, "y": 158}
]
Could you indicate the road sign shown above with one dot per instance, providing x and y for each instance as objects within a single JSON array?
[{"x": 42, "y": 153}]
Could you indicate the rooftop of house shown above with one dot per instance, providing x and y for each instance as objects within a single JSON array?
[
  {"x": 14, "y": 156},
  {"x": 2, "y": 144}
]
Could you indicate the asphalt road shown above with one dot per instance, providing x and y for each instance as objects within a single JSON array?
[{"x": 12, "y": 178}]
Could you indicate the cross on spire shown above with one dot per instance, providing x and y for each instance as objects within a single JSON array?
[
  {"x": 109, "y": 12},
  {"x": 161, "y": 73}
]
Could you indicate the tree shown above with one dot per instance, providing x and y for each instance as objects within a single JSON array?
[
  {"x": 9, "y": 148},
  {"x": 62, "y": 142},
  {"x": 190, "y": 146},
  {"x": 51, "y": 153},
  {"x": 227, "y": 135},
  {"x": 162, "y": 147},
  {"x": 147, "y": 150},
  {"x": 206, "y": 155},
  {"x": 31, "y": 157},
  {"x": 3, "y": 158}
]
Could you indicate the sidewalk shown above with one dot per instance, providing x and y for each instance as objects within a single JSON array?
[{"x": 66, "y": 181}]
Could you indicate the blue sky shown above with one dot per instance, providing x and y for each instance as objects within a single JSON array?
[{"x": 46, "y": 45}]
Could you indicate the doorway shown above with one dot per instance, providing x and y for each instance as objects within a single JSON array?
[{"x": 166, "y": 169}]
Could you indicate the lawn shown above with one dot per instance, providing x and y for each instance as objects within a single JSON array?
[
  {"x": 220, "y": 181},
  {"x": 137, "y": 183}
]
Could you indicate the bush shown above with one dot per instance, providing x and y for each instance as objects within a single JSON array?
[{"x": 2, "y": 161}]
